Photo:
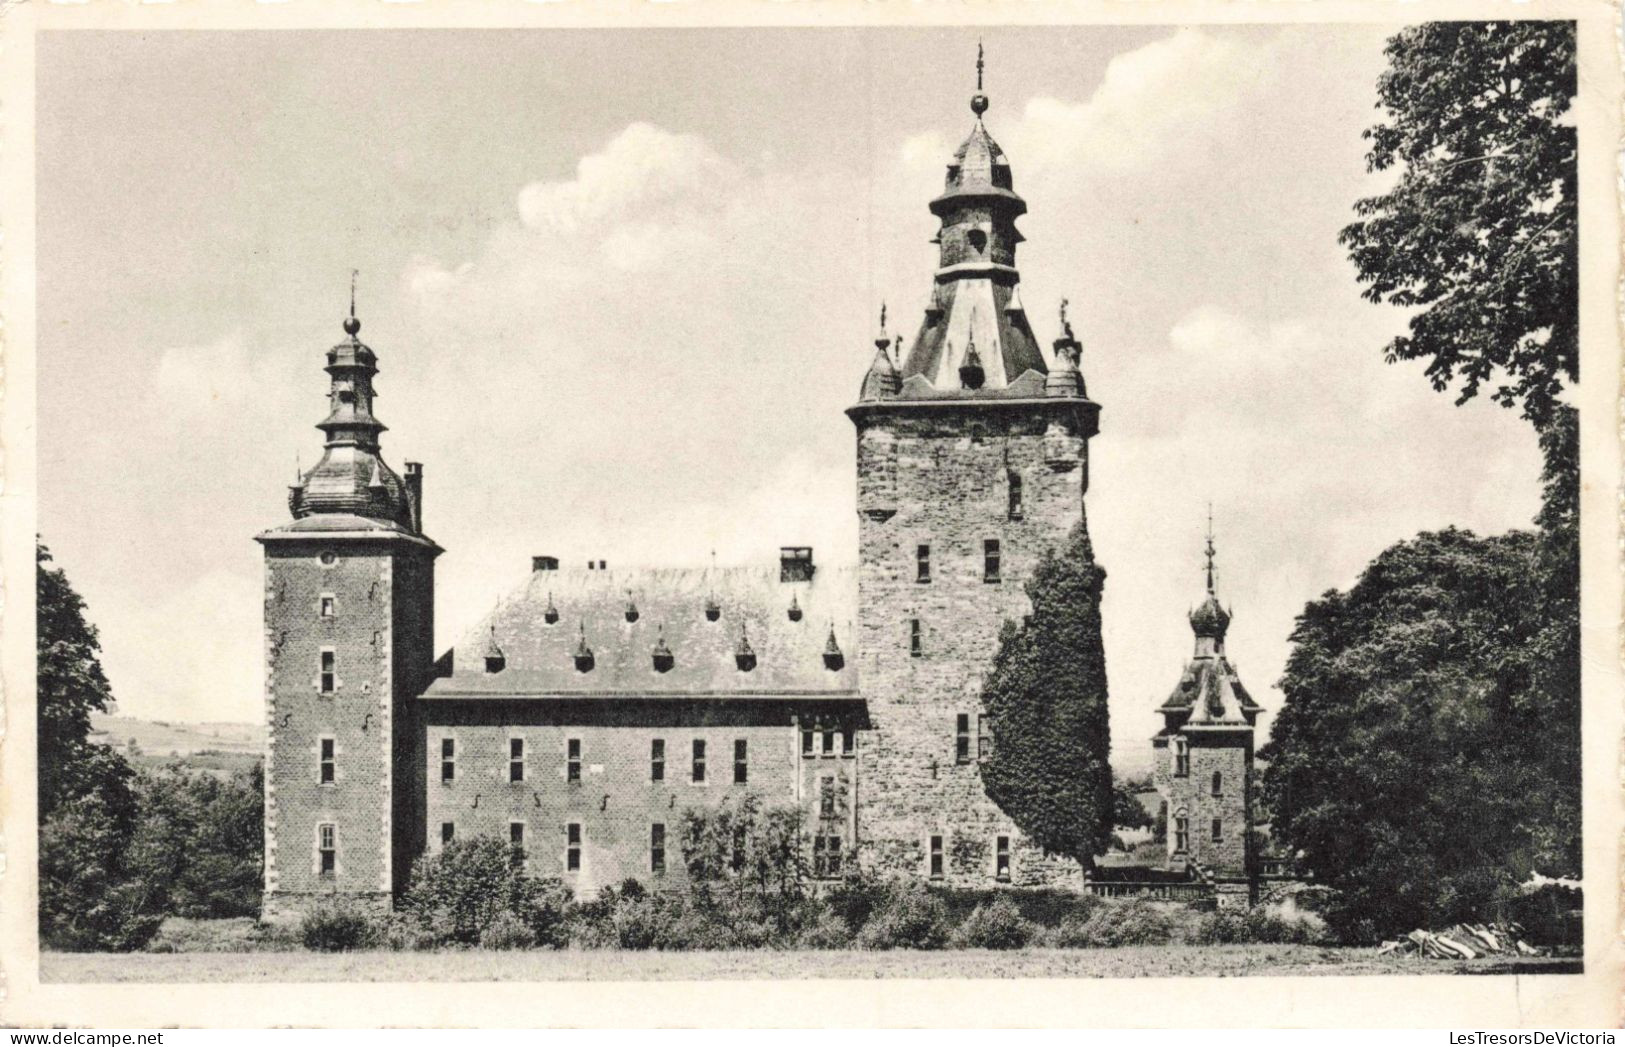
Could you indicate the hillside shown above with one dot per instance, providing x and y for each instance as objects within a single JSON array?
[{"x": 223, "y": 747}]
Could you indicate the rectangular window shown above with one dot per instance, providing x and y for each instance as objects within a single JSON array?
[
  {"x": 699, "y": 759},
  {"x": 1001, "y": 859},
  {"x": 572, "y": 760},
  {"x": 846, "y": 740},
  {"x": 936, "y": 857},
  {"x": 737, "y": 860},
  {"x": 448, "y": 759},
  {"x": 448, "y": 831},
  {"x": 1218, "y": 784},
  {"x": 572, "y": 847},
  {"x": 984, "y": 737},
  {"x": 516, "y": 759},
  {"x": 1182, "y": 833},
  {"x": 741, "y": 767},
  {"x": 329, "y": 672},
  {"x": 327, "y": 849},
  {"x": 516, "y": 833},
  {"x": 657, "y": 760},
  {"x": 329, "y": 772},
  {"x": 915, "y": 648},
  {"x": 962, "y": 738},
  {"x": 827, "y": 857},
  {"x": 829, "y": 741},
  {"x": 657, "y": 848},
  {"x": 826, "y": 796},
  {"x": 990, "y": 560},
  {"x": 922, "y": 564},
  {"x": 1015, "y": 495},
  {"x": 807, "y": 741},
  {"x": 1218, "y": 830},
  {"x": 1182, "y": 758},
  {"x": 328, "y": 605}
]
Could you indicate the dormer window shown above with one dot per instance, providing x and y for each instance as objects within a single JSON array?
[
  {"x": 663, "y": 659},
  {"x": 631, "y": 608},
  {"x": 713, "y": 610},
  {"x": 744, "y": 654},
  {"x": 795, "y": 609},
  {"x": 551, "y": 615},
  {"x": 583, "y": 655}
]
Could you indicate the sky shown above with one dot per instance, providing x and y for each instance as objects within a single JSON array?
[{"x": 623, "y": 283}]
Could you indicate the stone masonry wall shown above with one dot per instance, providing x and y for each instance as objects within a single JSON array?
[
  {"x": 359, "y": 716},
  {"x": 942, "y": 477},
  {"x": 1229, "y": 754},
  {"x": 615, "y": 801}
]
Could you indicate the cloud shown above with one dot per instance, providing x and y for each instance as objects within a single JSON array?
[
  {"x": 199, "y": 377},
  {"x": 647, "y": 188}
]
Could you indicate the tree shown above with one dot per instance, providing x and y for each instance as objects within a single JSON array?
[
  {"x": 88, "y": 808},
  {"x": 1416, "y": 765},
  {"x": 457, "y": 894},
  {"x": 72, "y": 685},
  {"x": 1480, "y": 233},
  {"x": 1046, "y": 702},
  {"x": 1127, "y": 810},
  {"x": 203, "y": 837}
]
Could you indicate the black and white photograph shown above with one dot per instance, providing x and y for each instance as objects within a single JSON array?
[{"x": 893, "y": 497}]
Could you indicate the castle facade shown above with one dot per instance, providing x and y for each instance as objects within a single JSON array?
[{"x": 595, "y": 705}]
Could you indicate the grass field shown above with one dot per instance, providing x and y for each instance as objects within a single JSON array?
[{"x": 1135, "y": 961}]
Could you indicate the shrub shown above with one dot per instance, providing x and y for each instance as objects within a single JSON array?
[
  {"x": 855, "y": 900},
  {"x": 458, "y": 893},
  {"x": 827, "y": 931},
  {"x": 911, "y": 918},
  {"x": 402, "y": 932},
  {"x": 334, "y": 927},
  {"x": 1111, "y": 924},
  {"x": 998, "y": 925},
  {"x": 1550, "y": 915},
  {"x": 507, "y": 931}
]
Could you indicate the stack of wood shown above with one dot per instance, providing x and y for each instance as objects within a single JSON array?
[{"x": 1464, "y": 941}]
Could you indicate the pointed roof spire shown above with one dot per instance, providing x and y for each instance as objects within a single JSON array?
[
  {"x": 352, "y": 325},
  {"x": 1210, "y": 548},
  {"x": 882, "y": 380},
  {"x": 1210, "y": 620},
  {"x": 978, "y": 101},
  {"x": 971, "y": 374}
]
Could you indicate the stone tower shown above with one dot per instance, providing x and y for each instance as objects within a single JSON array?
[
  {"x": 972, "y": 461},
  {"x": 349, "y": 633},
  {"x": 1203, "y": 758}
]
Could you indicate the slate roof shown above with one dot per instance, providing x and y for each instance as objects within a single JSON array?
[
  {"x": 539, "y": 656},
  {"x": 1211, "y": 690},
  {"x": 1004, "y": 340}
]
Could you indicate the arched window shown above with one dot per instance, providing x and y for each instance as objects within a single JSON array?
[{"x": 1218, "y": 784}]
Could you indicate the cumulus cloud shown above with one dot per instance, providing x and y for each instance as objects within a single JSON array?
[{"x": 199, "y": 377}]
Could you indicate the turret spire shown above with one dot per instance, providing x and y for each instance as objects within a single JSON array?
[
  {"x": 978, "y": 101},
  {"x": 1210, "y": 548}
]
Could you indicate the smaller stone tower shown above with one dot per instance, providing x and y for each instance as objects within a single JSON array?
[
  {"x": 1203, "y": 759},
  {"x": 349, "y": 634}
]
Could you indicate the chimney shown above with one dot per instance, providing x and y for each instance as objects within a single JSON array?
[
  {"x": 414, "y": 493},
  {"x": 795, "y": 563},
  {"x": 544, "y": 563}
]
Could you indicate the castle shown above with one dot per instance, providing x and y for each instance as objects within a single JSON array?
[{"x": 596, "y": 704}]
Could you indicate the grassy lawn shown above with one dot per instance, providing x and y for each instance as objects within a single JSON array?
[{"x": 1133, "y": 961}]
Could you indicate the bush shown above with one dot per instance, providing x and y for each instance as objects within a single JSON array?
[
  {"x": 911, "y": 918},
  {"x": 1550, "y": 915},
  {"x": 457, "y": 894},
  {"x": 1262, "y": 925},
  {"x": 334, "y": 928},
  {"x": 507, "y": 931},
  {"x": 998, "y": 925},
  {"x": 1111, "y": 924},
  {"x": 827, "y": 931}
]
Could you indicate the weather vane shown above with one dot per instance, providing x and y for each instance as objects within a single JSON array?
[{"x": 978, "y": 65}]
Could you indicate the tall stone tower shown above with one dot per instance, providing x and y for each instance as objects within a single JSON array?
[
  {"x": 1203, "y": 758},
  {"x": 972, "y": 462},
  {"x": 349, "y": 634}
]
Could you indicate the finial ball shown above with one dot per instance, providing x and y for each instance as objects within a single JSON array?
[
  {"x": 978, "y": 104},
  {"x": 352, "y": 325}
]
